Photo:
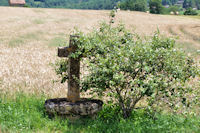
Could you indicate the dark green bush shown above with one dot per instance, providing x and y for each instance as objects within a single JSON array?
[
  {"x": 190, "y": 11},
  {"x": 156, "y": 7},
  {"x": 134, "y": 5}
]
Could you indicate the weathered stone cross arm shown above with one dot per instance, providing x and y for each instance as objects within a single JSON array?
[
  {"x": 73, "y": 94},
  {"x": 66, "y": 51}
]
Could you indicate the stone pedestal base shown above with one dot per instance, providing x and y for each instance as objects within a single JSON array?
[{"x": 62, "y": 107}]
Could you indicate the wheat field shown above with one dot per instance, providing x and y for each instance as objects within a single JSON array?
[{"x": 29, "y": 37}]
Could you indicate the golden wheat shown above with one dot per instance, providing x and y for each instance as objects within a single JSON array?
[{"x": 25, "y": 35}]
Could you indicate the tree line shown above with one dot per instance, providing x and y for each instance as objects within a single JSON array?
[
  {"x": 73, "y": 4},
  {"x": 137, "y": 5}
]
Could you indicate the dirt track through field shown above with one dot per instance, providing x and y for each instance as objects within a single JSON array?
[{"x": 29, "y": 37}]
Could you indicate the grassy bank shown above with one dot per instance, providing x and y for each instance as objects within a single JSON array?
[{"x": 26, "y": 114}]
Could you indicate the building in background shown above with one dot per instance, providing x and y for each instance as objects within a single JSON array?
[{"x": 17, "y": 2}]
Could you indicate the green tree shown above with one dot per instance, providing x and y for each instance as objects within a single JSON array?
[
  {"x": 4, "y": 3},
  {"x": 134, "y": 5},
  {"x": 169, "y": 2},
  {"x": 156, "y": 6},
  {"x": 74, "y": 4},
  {"x": 191, "y": 3}
]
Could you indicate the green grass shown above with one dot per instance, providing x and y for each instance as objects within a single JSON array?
[
  {"x": 38, "y": 21},
  {"x": 32, "y": 36},
  {"x": 16, "y": 42},
  {"x": 26, "y": 114},
  {"x": 23, "y": 39},
  {"x": 58, "y": 41}
]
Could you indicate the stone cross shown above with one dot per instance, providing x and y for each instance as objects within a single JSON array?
[{"x": 73, "y": 94}]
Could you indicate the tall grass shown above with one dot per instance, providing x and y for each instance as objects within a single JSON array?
[{"x": 25, "y": 113}]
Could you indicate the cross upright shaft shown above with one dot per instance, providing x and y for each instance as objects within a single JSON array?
[{"x": 73, "y": 94}]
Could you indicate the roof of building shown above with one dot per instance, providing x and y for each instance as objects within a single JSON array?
[{"x": 17, "y": 2}]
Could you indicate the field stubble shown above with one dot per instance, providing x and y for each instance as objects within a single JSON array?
[{"x": 29, "y": 37}]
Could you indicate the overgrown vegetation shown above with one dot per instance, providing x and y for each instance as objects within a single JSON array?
[
  {"x": 25, "y": 113},
  {"x": 190, "y": 11}
]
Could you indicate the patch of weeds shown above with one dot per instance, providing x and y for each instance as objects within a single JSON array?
[
  {"x": 16, "y": 42},
  {"x": 38, "y": 21},
  {"x": 32, "y": 36},
  {"x": 58, "y": 41},
  {"x": 63, "y": 20},
  {"x": 22, "y": 39},
  {"x": 38, "y": 11}
]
